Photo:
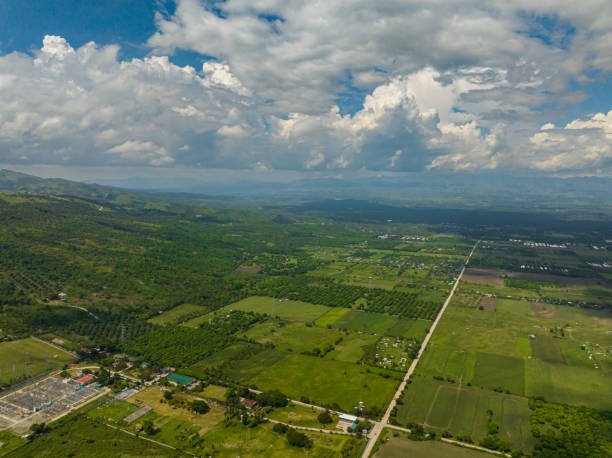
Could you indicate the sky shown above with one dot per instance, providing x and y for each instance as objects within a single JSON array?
[{"x": 307, "y": 87}]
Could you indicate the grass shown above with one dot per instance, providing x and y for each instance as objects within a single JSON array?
[
  {"x": 498, "y": 371},
  {"x": 232, "y": 440},
  {"x": 352, "y": 347},
  {"x": 566, "y": 384},
  {"x": 375, "y": 323},
  {"x": 547, "y": 348},
  {"x": 218, "y": 357},
  {"x": 9, "y": 442},
  {"x": 463, "y": 411},
  {"x": 298, "y": 415},
  {"x": 112, "y": 410},
  {"x": 327, "y": 382},
  {"x": 294, "y": 337},
  {"x": 397, "y": 444},
  {"x": 443, "y": 407},
  {"x": 287, "y": 309},
  {"x": 523, "y": 347},
  {"x": 213, "y": 392},
  {"x": 84, "y": 435},
  {"x": 448, "y": 362},
  {"x": 153, "y": 396},
  {"x": 29, "y": 357},
  {"x": 515, "y": 307},
  {"x": 409, "y": 329},
  {"x": 331, "y": 316},
  {"x": 178, "y": 314},
  {"x": 245, "y": 369}
]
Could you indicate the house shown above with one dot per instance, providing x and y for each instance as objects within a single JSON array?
[
  {"x": 85, "y": 379},
  {"x": 248, "y": 403},
  {"x": 179, "y": 379},
  {"x": 348, "y": 418},
  {"x": 532, "y": 336}
]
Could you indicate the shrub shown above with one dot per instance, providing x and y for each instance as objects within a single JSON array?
[
  {"x": 325, "y": 418},
  {"x": 279, "y": 428}
]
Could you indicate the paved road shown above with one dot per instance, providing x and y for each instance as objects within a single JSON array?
[{"x": 378, "y": 427}]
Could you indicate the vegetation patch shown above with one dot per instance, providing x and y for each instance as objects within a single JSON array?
[
  {"x": 331, "y": 316},
  {"x": 547, "y": 348},
  {"x": 375, "y": 323},
  {"x": 178, "y": 314},
  {"x": 21, "y": 359},
  {"x": 499, "y": 373},
  {"x": 326, "y": 382},
  {"x": 283, "y": 308}
]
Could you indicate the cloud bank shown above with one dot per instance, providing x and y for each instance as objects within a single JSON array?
[{"x": 316, "y": 86}]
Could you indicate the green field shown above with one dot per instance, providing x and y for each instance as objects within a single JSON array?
[
  {"x": 331, "y": 316},
  {"x": 112, "y": 410},
  {"x": 178, "y": 314},
  {"x": 565, "y": 384},
  {"x": 218, "y": 357},
  {"x": 293, "y": 336},
  {"x": 497, "y": 371},
  {"x": 245, "y": 369},
  {"x": 326, "y": 381},
  {"x": 287, "y": 309},
  {"x": 352, "y": 347},
  {"x": 85, "y": 436},
  {"x": 547, "y": 349},
  {"x": 297, "y": 415},
  {"x": 448, "y": 362},
  {"x": 396, "y": 444},
  {"x": 375, "y": 323},
  {"x": 29, "y": 357},
  {"x": 463, "y": 411},
  {"x": 213, "y": 392},
  {"x": 9, "y": 442},
  {"x": 230, "y": 441}
]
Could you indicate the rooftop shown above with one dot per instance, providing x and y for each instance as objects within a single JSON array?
[{"x": 180, "y": 378}]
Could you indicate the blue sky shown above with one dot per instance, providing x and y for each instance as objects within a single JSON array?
[{"x": 307, "y": 87}]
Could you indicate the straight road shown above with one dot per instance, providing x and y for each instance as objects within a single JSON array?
[{"x": 378, "y": 427}]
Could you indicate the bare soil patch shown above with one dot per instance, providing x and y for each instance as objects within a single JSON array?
[
  {"x": 487, "y": 303},
  {"x": 484, "y": 276}
]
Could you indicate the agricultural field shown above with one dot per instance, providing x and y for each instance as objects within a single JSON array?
[
  {"x": 209, "y": 433},
  {"x": 323, "y": 381},
  {"x": 179, "y": 314},
  {"x": 283, "y": 308},
  {"x": 71, "y": 438},
  {"x": 395, "y": 444},
  {"x": 9, "y": 442},
  {"x": 464, "y": 411},
  {"x": 24, "y": 358}
]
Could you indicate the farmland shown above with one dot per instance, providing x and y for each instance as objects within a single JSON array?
[
  {"x": 283, "y": 308},
  {"x": 325, "y": 383},
  {"x": 319, "y": 309},
  {"x": 28, "y": 357},
  {"x": 501, "y": 343},
  {"x": 396, "y": 444}
]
